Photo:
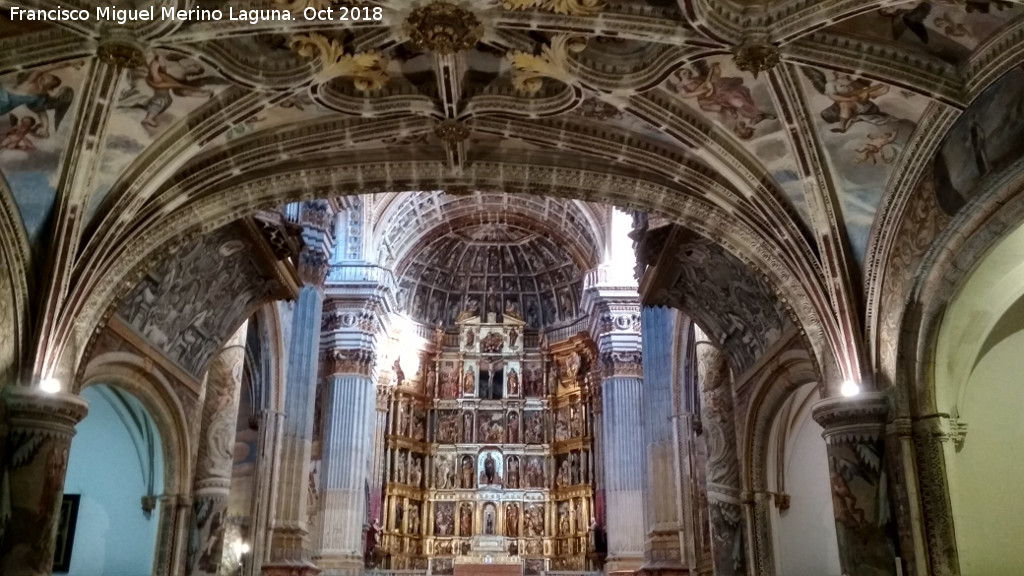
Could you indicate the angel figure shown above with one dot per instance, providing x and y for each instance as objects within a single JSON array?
[
  {"x": 852, "y": 99},
  {"x": 878, "y": 147},
  {"x": 167, "y": 76},
  {"x": 17, "y": 136},
  {"x": 724, "y": 95},
  {"x": 952, "y": 23},
  {"x": 40, "y": 91}
]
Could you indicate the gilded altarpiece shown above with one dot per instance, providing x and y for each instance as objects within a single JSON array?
[{"x": 492, "y": 461}]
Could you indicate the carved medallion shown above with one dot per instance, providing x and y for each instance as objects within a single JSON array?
[
  {"x": 756, "y": 58},
  {"x": 443, "y": 28}
]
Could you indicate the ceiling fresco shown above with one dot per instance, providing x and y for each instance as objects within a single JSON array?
[{"x": 791, "y": 132}]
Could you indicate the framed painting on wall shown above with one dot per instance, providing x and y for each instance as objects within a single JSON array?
[{"x": 66, "y": 532}]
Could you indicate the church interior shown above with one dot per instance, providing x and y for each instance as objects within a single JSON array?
[{"x": 513, "y": 288}]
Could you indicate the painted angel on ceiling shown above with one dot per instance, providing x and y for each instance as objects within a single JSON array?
[
  {"x": 167, "y": 76},
  {"x": 852, "y": 99},
  {"x": 38, "y": 91},
  {"x": 725, "y": 95}
]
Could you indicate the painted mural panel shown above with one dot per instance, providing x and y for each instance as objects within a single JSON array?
[
  {"x": 37, "y": 109},
  {"x": 985, "y": 140},
  {"x": 150, "y": 99},
  {"x": 864, "y": 126}
]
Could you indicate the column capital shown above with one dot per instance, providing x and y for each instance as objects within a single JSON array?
[
  {"x": 53, "y": 414},
  {"x": 313, "y": 266},
  {"x": 359, "y": 362},
  {"x": 626, "y": 364},
  {"x": 851, "y": 420}
]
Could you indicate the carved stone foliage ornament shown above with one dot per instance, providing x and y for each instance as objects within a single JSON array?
[
  {"x": 367, "y": 71},
  {"x": 530, "y": 70},
  {"x": 756, "y": 58},
  {"x": 443, "y": 28},
  {"x": 574, "y": 7}
]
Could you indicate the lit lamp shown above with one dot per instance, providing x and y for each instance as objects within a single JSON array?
[
  {"x": 240, "y": 549},
  {"x": 50, "y": 385},
  {"x": 849, "y": 389}
]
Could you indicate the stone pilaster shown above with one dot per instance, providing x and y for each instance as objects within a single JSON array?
[
  {"x": 216, "y": 457},
  {"x": 380, "y": 432},
  {"x": 854, "y": 437},
  {"x": 39, "y": 431},
  {"x": 289, "y": 552},
  {"x": 662, "y": 514},
  {"x": 351, "y": 415},
  {"x": 725, "y": 506}
]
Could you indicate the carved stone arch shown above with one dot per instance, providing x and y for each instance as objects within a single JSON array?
[
  {"x": 792, "y": 280},
  {"x": 15, "y": 272},
  {"x": 987, "y": 218},
  {"x": 131, "y": 373},
  {"x": 788, "y": 370}
]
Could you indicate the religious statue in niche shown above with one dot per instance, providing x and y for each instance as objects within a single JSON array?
[
  {"x": 465, "y": 519},
  {"x": 443, "y": 547},
  {"x": 414, "y": 519},
  {"x": 416, "y": 472},
  {"x": 572, "y": 364},
  {"x": 445, "y": 478},
  {"x": 512, "y": 519},
  {"x": 579, "y": 513},
  {"x": 467, "y": 427},
  {"x": 470, "y": 337},
  {"x": 468, "y": 382},
  {"x": 564, "y": 476},
  {"x": 535, "y": 472},
  {"x": 490, "y": 518},
  {"x": 399, "y": 515},
  {"x": 575, "y": 470},
  {"x": 399, "y": 373},
  {"x": 533, "y": 380},
  {"x": 513, "y": 337},
  {"x": 492, "y": 343},
  {"x": 562, "y": 430},
  {"x": 513, "y": 382},
  {"x": 575, "y": 421},
  {"x": 512, "y": 472},
  {"x": 400, "y": 468},
  {"x": 472, "y": 310},
  {"x": 490, "y": 382},
  {"x": 466, "y": 477},
  {"x": 444, "y": 513},
  {"x": 490, "y": 476},
  {"x": 564, "y": 527},
  {"x": 419, "y": 428},
  {"x": 405, "y": 420},
  {"x": 513, "y": 428}
]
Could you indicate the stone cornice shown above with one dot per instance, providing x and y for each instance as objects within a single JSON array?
[{"x": 30, "y": 410}]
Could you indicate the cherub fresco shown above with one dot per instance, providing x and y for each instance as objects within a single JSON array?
[
  {"x": 879, "y": 147},
  {"x": 852, "y": 99},
  {"x": 166, "y": 76},
  {"x": 17, "y": 136},
  {"x": 39, "y": 91},
  {"x": 725, "y": 95}
]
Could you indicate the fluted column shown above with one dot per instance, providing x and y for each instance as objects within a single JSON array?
[
  {"x": 289, "y": 552},
  {"x": 216, "y": 457},
  {"x": 723, "y": 465},
  {"x": 623, "y": 462},
  {"x": 38, "y": 437},
  {"x": 854, "y": 438},
  {"x": 662, "y": 554},
  {"x": 351, "y": 416}
]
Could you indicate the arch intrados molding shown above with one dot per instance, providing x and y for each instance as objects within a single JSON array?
[
  {"x": 266, "y": 191},
  {"x": 415, "y": 244},
  {"x": 988, "y": 218},
  {"x": 127, "y": 372}
]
